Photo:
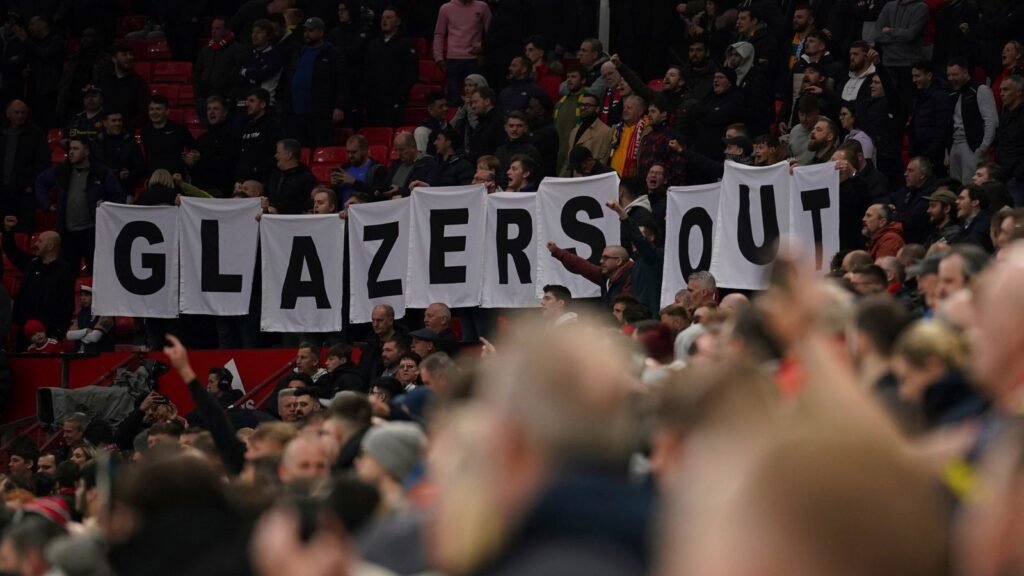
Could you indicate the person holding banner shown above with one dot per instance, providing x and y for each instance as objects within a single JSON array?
[{"x": 291, "y": 183}]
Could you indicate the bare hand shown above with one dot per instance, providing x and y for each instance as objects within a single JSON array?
[
  {"x": 149, "y": 400},
  {"x": 886, "y": 30},
  {"x": 486, "y": 348},
  {"x": 338, "y": 115},
  {"x": 418, "y": 184},
  {"x": 552, "y": 247},
  {"x": 124, "y": 173},
  {"x": 10, "y": 222},
  {"x": 178, "y": 356},
  {"x": 675, "y": 146},
  {"x": 873, "y": 56},
  {"x": 615, "y": 207},
  {"x": 615, "y": 60},
  {"x": 964, "y": 27},
  {"x": 277, "y": 549}
]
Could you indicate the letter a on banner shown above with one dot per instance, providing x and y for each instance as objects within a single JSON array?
[
  {"x": 218, "y": 255},
  {"x": 814, "y": 212},
  {"x": 689, "y": 235},
  {"x": 136, "y": 264},
  {"x": 752, "y": 215},
  {"x": 378, "y": 251},
  {"x": 302, "y": 273},
  {"x": 446, "y": 253},
  {"x": 571, "y": 212},
  {"x": 510, "y": 261}
]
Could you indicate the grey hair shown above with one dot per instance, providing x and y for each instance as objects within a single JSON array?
[{"x": 704, "y": 278}]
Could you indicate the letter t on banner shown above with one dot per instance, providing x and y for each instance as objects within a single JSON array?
[{"x": 814, "y": 212}]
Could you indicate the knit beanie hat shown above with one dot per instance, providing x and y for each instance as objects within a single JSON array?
[
  {"x": 32, "y": 327},
  {"x": 477, "y": 80},
  {"x": 396, "y": 446},
  {"x": 728, "y": 73}
]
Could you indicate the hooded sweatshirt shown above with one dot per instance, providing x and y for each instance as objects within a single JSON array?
[
  {"x": 746, "y": 50},
  {"x": 906, "y": 20}
]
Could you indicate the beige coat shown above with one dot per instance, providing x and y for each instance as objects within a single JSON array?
[{"x": 597, "y": 139}]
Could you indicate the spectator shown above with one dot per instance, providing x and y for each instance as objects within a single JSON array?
[
  {"x": 855, "y": 87},
  {"x": 360, "y": 173},
  {"x": 544, "y": 76},
  {"x": 555, "y": 304},
  {"x": 258, "y": 139},
  {"x": 823, "y": 141},
  {"x": 899, "y": 32},
  {"x": 348, "y": 420},
  {"x": 752, "y": 29},
  {"x": 518, "y": 141},
  {"x": 38, "y": 341},
  {"x": 325, "y": 201},
  {"x": 48, "y": 291},
  {"x": 851, "y": 125},
  {"x": 973, "y": 214},
  {"x": 885, "y": 235},
  {"x": 942, "y": 216},
  {"x": 342, "y": 373},
  {"x": 1010, "y": 137},
  {"x": 435, "y": 122},
  {"x": 1012, "y": 60},
  {"x": 930, "y": 115},
  {"x": 612, "y": 98},
  {"x": 592, "y": 58},
  {"x": 958, "y": 268},
  {"x": 25, "y": 155},
  {"x": 260, "y": 68},
  {"x": 769, "y": 150},
  {"x": 543, "y": 132},
  {"x": 808, "y": 113},
  {"x": 389, "y": 454},
  {"x": 628, "y": 134},
  {"x": 289, "y": 188},
  {"x": 315, "y": 99},
  {"x": 882, "y": 123},
  {"x": 465, "y": 118},
  {"x": 910, "y": 206},
  {"x": 79, "y": 185},
  {"x": 656, "y": 187},
  {"x": 520, "y": 86},
  {"x": 489, "y": 133},
  {"x": 165, "y": 142},
  {"x": 123, "y": 90},
  {"x": 613, "y": 275},
  {"x": 453, "y": 168},
  {"x": 852, "y": 200},
  {"x": 215, "y": 148},
  {"x": 568, "y": 113},
  {"x": 389, "y": 72},
  {"x": 161, "y": 190},
  {"x": 875, "y": 185},
  {"x": 974, "y": 122},
  {"x": 591, "y": 133},
  {"x": 654, "y": 149},
  {"x": 458, "y": 41},
  {"x": 695, "y": 80},
  {"x": 91, "y": 332},
  {"x": 410, "y": 167},
  {"x": 88, "y": 122},
  {"x": 868, "y": 280},
  {"x": 724, "y": 106},
  {"x": 753, "y": 81},
  {"x": 81, "y": 71},
  {"x": 45, "y": 58},
  {"x": 119, "y": 152},
  {"x": 521, "y": 174},
  {"x": 217, "y": 64}
]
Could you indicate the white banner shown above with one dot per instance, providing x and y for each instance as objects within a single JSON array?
[
  {"x": 571, "y": 212},
  {"x": 378, "y": 251},
  {"x": 302, "y": 273},
  {"x": 218, "y": 261},
  {"x": 752, "y": 215},
  {"x": 136, "y": 270},
  {"x": 814, "y": 211},
  {"x": 689, "y": 235},
  {"x": 446, "y": 254},
  {"x": 510, "y": 262}
]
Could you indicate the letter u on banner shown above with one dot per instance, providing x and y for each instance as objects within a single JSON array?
[
  {"x": 446, "y": 253},
  {"x": 510, "y": 259},
  {"x": 752, "y": 215},
  {"x": 571, "y": 212},
  {"x": 302, "y": 273},
  {"x": 814, "y": 212},
  {"x": 378, "y": 251},
  {"x": 218, "y": 255},
  {"x": 136, "y": 264},
  {"x": 689, "y": 235}
]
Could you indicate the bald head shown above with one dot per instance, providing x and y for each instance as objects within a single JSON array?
[
  {"x": 48, "y": 245},
  {"x": 17, "y": 113},
  {"x": 612, "y": 258},
  {"x": 735, "y": 302},
  {"x": 303, "y": 459}
]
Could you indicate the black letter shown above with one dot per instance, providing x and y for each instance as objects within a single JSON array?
[
  {"x": 765, "y": 253},
  {"x": 580, "y": 231},
  {"x": 815, "y": 201},
  {"x": 155, "y": 263},
  {"x": 388, "y": 233},
  {"x": 514, "y": 247},
  {"x": 441, "y": 245},
  {"x": 211, "y": 280},
  {"x": 304, "y": 254},
  {"x": 700, "y": 218}
]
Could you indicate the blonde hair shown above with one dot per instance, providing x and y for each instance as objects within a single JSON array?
[
  {"x": 931, "y": 339},
  {"x": 161, "y": 177}
]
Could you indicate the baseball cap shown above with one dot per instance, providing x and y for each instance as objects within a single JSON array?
[{"x": 314, "y": 23}]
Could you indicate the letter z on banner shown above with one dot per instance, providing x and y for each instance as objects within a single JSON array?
[
  {"x": 689, "y": 235},
  {"x": 136, "y": 264},
  {"x": 510, "y": 261},
  {"x": 446, "y": 253},
  {"x": 572, "y": 213},
  {"x": 752, "y": 214},
  {"x": 302, "y": 273},
  {"x": 378, "y": 252},
  {"x": 218, "y": 255},
  {"x": 814, "y": 211}
]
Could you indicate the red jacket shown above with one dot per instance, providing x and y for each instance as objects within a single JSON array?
[
  {"x": 620, "y": 283},
  {"x": 887, "y": 241}
]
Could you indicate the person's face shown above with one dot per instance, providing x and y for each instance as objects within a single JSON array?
[
  {"x": 438, "y": 109},
  {"x": 18, "y": 465},
  {"x": 421, "y": 347},
  {"x": 47, "y": 465},
  {"x": 877, "y": 89},
  {"x": 588, "y": 108},
  {"x": 951, "y": 276},
  {"x": 380, "y": 394},
  {"x": 312, "y": 36},
  {"x": 865, "y": 285},
  {"x": 157, "y": 413},
  {"x": 733, "y": 58},
  {"x": 344, "y": 16},
  {"x": 632, "y": 111},
  {"x": 1009, "y": 56},
  {"x": 78, "y": 456},
  {"x": 212, "y": 382},
  {"x": 36, "y": 27},
  {"x": 617, "y": 311},
  {"x": 478, "y": 104},
  {"x": 406, "y": 153},
  {"x": 381, "y": 322},
  {"x": 322, "y": 204},
  {"x": 610, "y": 74},
  {"x": 408, "y": 370},
  {"x": 254, "y": 107},
  {"x": 858, "y": 59},
  {"x": 534, "y": 110},
  {"x": 534, "y": 53},
  {"x": 515, "y": 128},
  {"x": 574, "y": 81},
  {"x": 846, "y": 119},
  {"x": 17, "y": 114},
  {"x": 260, "y": 37},
  {"x": 305, "y": 462},
  {"x": 1006, "y": 229},
  {"x": 611, "y": 261},
  {"x": 673, "y": 80},
  {"x": 981, "y": 176},
  {"x": 124, "y": 61},
  {"x": 216, "y": 113},
  {"x": 912, "y": 380},
  {"x": 485, "y": 177},
  {"x": 813, "y": 46},
  {"x": 721, "y": 83},
  {"x": 656, "y": 177},
  {"x": 333, "y": 363},
  {"x": 77, "y": 152},
  {"x": 305, "y": 405},
  {"x": 389, "y": 21},
  {"x": 442, "y": 145},
  {"x": 872, "y": 221},
  {"x": 801, "y": 20},
  {"x": 516, "y": 176},
  {"x": 286, "y": 408},
  {"x": 820, "y": 135},
  {"x": 306, "y": 361},
  {"x": 114, "y": 124},
  {"x": 435, "y": 319},
  {"x": 921, "y": 78},
  {"x": 813, "y": 78},
  {"x": 744, "y": 23},
  {"x": 356, "y": 156},
  {"x": 695, "y": 294},
  {"x": 282, "y": 157},
  {"x": 389, "y": 354},
  {"x": 697, "y": 54},
  {"x": 84, "y": 498},
  {"x": 251, "y": 188},
  {"x": 587, "y": 55},
  {"x": 92, "y": 101},
  {"x": 964, "y": 205},
  {"x": 217, "y": 29},
  {"x": 72, "y": 433},
  {"x": 913, "y": 176},
  {"x": 657, "y": 116},
  {"x": 957, "y": 76},
  {"x": 551, "y": 306},
  {"x": 937, "y": 213},
  {"x": 516, "y": 69},
  {"x": 1010, "y": 94}
]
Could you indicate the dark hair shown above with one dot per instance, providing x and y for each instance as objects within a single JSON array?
[
  {"x": 755, "y": 14},
  {"x": 819, "y": 35},
  {"x": 625, "y": 299},
  {"x": 389, "y": 385},
  {"x": 875, "y": 273},
  {"x": 412, "y": 356},
  {"x": 860, "y": 45},
  {"x": 401, "y": 341},
  {"x": 545, "y": 103},
  {"x": 853, "y": 146},
  {"x": 354, "y": 502},
  {"x": 88, "y": 474},
  {"x": 159, "y": 99},
  {"x": 353, "y": 407},
  {"x": 636, "y": 312},
  {"x": 538, "y": 41},
  {"x": 923, "y": 65},
  {"x": 515, "y": 115},
  {"x": 576, "y": 69},
  {"x": 67, "y": 474},
  {"x": 660, "y": 102},
  {"x": 81, "y": 140},
  {"x": 527, "y": 162},
  {"x": 341, "y": 350},
  {"x": 959, "y": 63},
  {"x": 579, "y": 154},
  {"x": 634, "y": 186},
  {"x": 26, "y": 449},
  {"x": 995, "y": 171},
  {"x": 977, "y": 193},
  {"x": 170, "y": 428},
  {"x": 261, "y": 93},
  {"x": 292, "y": 146},
  {"x": 486, "y": 93},
  {"x": 216, "y": 99},
  {"x": 300, "y": 377},
  {"x": 769, "y": 140},
  {"x": 121, "y": 48},
  {"x": 951, "y": 184},
  {"x": 883, "y": 319},
  {"x": 436, "y": 95},
  {"x": 808, "y": 104},
  {"x": 452, "y": 135},
  {"x": 559, "y": 292}
]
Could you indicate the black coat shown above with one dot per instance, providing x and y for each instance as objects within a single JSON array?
[
  {"x": 46, "y": 60},
  {"x": 215, "y": 70},
  {"x": 545, "y": 138},
  {"x": 875, "y": 186},
  {"x": 853, "y": 202},
  {"x": 929, "y": 120},
  {"x": 455, "y": 171},
  {"x": 127, "y": 95},
  {"x": 912, "y": 212},
  {"x": 1010, "y": 142},
  {"x": 120, "y": 153},
  {"x": 424, "y": 169},
  {"x": 978, "y": 231},
  {"x": 164, "y": 146},
  {"x": 710, "y": 119},
  {"x": 390, "y": 69},
  {"x": 345, "y": 378},
  {"x": 488, "y": 135},
  {"x": 288, "y": 190},
  {"x": 47, "y": 293},
  {"x": 217, "y": 148},
  {"x": 328, "y": 85},
  {"x": 31, "y": 158},
  {"x": 881, "y": 123},
  {"x": 257, "y": 148}
]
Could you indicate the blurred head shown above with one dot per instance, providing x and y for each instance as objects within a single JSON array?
[
  {"x": 482, "y": 101},
  {"x": 574, "y": 80},
  {"x": 877, "y": 88},
  {"x": 73, "y": 428},
  {"x": 1010, "y": 92},
  {"x": 747, "y": 22},
  {"x": 303, "y": 459},
  {"x": 113, "y": 123},
  {"x": 405, "y": 147},
  {"x": 958, "y": 268},
  {"x": 123, "y": 58},
  {"x": 700, "y": 288},
  {"x": 970, "y": 201},
  {"x": 390, "y": 21},
  {"x": 923, "y": 354},
  {"x": 697, "y": 54},
  {"x": 589, "y": 106},
  {"x": 858, "y": 58},
  {"x": 957, "y": 73},
  {"x": 610, "y": 74},
  {"x": 721, "y": 83},
  {"x": 803, "y": 19},
  {"x": 1011, "y": 55},
  {"x": 486, "y": 177},
  {"x": 673, "y": 79}
]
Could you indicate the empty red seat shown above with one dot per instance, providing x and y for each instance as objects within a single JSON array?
[
  {"x": 53, "y": 136},
  {"x": 430, "y": 73},
  {"x": 415, "y": 114},
  {"x": 124, "y": 326},
  {"x": 191, "y": 118},
  {"x": 144, "y": 70},
  {"x": 322, "y": 172},
  {"x": 176, "y": 115},
  {"x": 130, "y": 23},
  {"x": 335, "y": 155},
  {"x": 405, "y": 130},
  {"x": 378, "y": 135},
  {"x": 157, "y": 50},
  {"x": 420, "y": 93},
  {"x": 172, "y": 72},
  {"x": 187, "y": 95},
  {"x": 380, "y": 153},
  {"x": 422, "y": 48},
  {"x": 305, "y": 155},
  {"x": 170, "y": 91}
]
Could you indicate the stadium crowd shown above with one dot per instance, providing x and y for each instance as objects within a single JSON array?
[{"x": 868, "y": 422}]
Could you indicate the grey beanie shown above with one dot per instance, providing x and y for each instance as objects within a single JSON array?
[
  {"x": 477, "y": 80},
  {"x": 396, "y": 446}
]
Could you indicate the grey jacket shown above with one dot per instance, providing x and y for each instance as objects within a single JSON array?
[{"x": 906, "y": 19}]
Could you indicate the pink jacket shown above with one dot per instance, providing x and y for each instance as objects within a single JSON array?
[{"x": 459, "y": 26}]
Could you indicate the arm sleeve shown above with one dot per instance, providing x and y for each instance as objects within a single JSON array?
[
  {"x": 636, "y": 83},
  {"x": 128, "y": 430},
  {"x": 20, "y": 259},
  {"x": 44, "y": 183},
  {"x": 440, "y": 34},
  {"x": 987, "y": 105},
  {"x": 911, "y": 33},
  {"x": 579, "y": 266},
  {"x": 422, "y": 136},
  {"x": 192, "y": 191},
  {"x": 232, "y": 450},
  {"x": 648, "y": 251}
]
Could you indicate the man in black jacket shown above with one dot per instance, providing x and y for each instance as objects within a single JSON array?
[
  {"x": 118, "y": 151},
  {"x": 930, "y": 115},
  {"x": 315, "y": 100},
  {"x": 48, "y": 291},
  {"x": 45, "y": 52},
  {"x": 218, "y": 62},
  {"x": 389, "y": 71},
  {"x": 164, "y": 142},
  {"x": 123, "y": 90},
  {"x": 259, "y": 139},
  {"x": 342, "y": 373},
  {"x": 911, "y": 208},
  {"x": 1010, "y": 136},
  {"x": 453, "y": 169},
  {"x": 216, "y": 149},
  {"x": 21, "y": 162},
  {"x": 290, "y": 185},
  {"x": 490, "y": 128}
]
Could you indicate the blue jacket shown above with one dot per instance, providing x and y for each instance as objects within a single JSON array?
[{"x": 103, "y": 185}]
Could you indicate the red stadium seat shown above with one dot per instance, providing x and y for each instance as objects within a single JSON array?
[
  {"x": 196, "y": 131},
  {"x": 423, "y": 49},
  {"x": 420, "y": 93},
  {"x": 341, "y": 135},
  {"x": 176, "y": 115},
  {"x": 305, "y": 155},
  {"x": 57, "y": 154},
  {"x": 144, "y": 70},
  {"x": 657, "y": 85},
  {"x": 415, "y": 114},
  {"x": 452, "y": 111},
  {"x": 172, "y": 72},
  {"x": 45, "y": 220},
  {"x": 139, "y": 49},
  {"x": 192, "y": 118},
  {"x": 333, "y": 155},
  {"x": 379, "y": 135},
  {"x": 131, "y": 23},
  {"x": 187, "y": 95},
  {"x": 380, "y": 153},
  {"x": 53, "y": 136},
  {"x": 157, "y": 50},
  {"x": 405, "y": 130},
  {"x": 124, "y": 326},
  {"x": 322, "y": 172},
  {"x": 170, "y": 91},
  {"x": 430, "y": 73}
]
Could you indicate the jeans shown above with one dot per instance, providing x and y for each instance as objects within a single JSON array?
[
  {"x": 1016, "y": 189},
  {"x": 457, "y": 72}
]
